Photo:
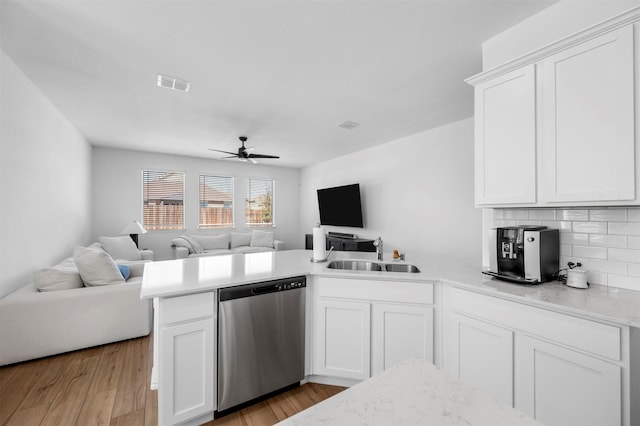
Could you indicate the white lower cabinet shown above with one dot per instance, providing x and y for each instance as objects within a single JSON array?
[
  {"x": 481, "y": 354},
  {"x": 559, "y": 386},
  {"x": 364, "y": 327},
  {"x": 400, "y": 332},
  {"x": 557, "y": 368},
  {"x": 343, "y": 334},
  {"x": 186, "y": 371}
]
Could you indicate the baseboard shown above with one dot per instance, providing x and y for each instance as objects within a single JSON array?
[{"x": 333, "y": 381}]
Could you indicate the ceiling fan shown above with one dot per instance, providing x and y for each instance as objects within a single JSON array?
[{"x": 244, "y": 154}]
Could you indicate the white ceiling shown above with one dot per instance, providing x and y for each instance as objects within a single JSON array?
[{"x": 283, "y": 73}]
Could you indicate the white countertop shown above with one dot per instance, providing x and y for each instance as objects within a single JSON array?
[
  {"x": 412, "y": 393},
  {"x": 195, "y": 275}
]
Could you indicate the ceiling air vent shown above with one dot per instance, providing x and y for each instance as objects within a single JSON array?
[
  {"x": 173, "y": 83},
  {"x": 348, "y": 125}
]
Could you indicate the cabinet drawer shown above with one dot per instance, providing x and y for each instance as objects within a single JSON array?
[
  {"x": 186, "y": 308},
  {"x": 591, "y": 336},
  {"x": 364, "y": 289}
]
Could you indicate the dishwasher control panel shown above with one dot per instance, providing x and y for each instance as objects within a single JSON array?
[
  {"x": 295, "y": 284},
  {"x": 263, "y": 287}
]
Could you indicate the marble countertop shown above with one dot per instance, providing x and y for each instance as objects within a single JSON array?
[
  {"x": 412, "y": 393},
  {"x": 194, "y": 275}
]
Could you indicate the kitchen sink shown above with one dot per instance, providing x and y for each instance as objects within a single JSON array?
[
  {"x": 356, "y": 265},
  {"x": 401, "y": 267},
  {"x": 364, "y": 265}
]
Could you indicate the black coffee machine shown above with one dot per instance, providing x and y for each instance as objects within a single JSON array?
[{"x": 524, "y": 254}]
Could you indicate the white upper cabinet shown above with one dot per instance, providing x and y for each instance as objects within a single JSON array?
[
  {"x": 505, "y": 138},
  {"x": 588, "y": 131},
  {"x": 557, "y": 127}
]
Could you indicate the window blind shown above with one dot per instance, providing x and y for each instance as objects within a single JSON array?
[
  {"x": 163, "y": 200},
  {"x": 216, "y": 201},
  {"x": 259, "y": 202}
]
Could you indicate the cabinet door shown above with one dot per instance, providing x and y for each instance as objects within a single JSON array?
[
  {"x": 588, "y": 136},
  {"x": 481, "y": 354},
  {"x": 400, "y": 332},
  {"x": 558, "y": 386},
  {"x": 342, "y": 339},
  {"x": 186, "y": 375},
  {"x": 505, "y": 139}
]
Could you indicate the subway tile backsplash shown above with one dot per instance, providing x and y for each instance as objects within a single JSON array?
[{"x": 605, "y": 240}]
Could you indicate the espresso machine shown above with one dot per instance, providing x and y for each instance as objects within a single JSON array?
[{"x": 524, "y": 254}]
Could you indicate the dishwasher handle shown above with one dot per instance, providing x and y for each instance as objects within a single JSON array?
[{"x": 266, "y": 289}]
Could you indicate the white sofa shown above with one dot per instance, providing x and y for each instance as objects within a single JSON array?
[
  {"x": 35, "y": 323},
  {"x": 235, "y": 242}
]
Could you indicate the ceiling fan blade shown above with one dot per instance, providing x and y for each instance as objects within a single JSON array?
[
  {"x": 262, "y": 156},
  {"x": 244, "y": 153},
  {"x": 225, "y": 152}
]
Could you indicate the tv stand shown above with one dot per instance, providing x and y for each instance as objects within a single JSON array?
[
  {"x": 342, "y": 243},
  {"x": 331, "y": 234}
]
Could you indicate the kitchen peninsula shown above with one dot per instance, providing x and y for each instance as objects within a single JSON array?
[
  {"x": 411, "y": 393},
  {"x": 436, "y": 301}
]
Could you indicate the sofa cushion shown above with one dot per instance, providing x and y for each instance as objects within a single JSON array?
[
  {"x": 213, "y": 252},
  {"x": 96, "y": 267},
  {"x": 195, "y": 246},
  {"x": 120, "y": 247},
  {"x": 239, "y": 239},
  {"x": 248, "y": 249},
  {"x": 261, "y": 239},
  {"x": 213, "y": 242},
  {"x": 51, "y": 279}
]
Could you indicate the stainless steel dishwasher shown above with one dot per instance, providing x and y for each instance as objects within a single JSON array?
[{"x": 260, "y": 339}]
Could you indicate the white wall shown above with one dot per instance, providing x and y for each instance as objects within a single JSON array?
[
  {"x": 117, "y": 189},
  {"x": 551, "y": 24},
  {"x": 417, "y": 193},
  {"x": 45, "y": 181}
]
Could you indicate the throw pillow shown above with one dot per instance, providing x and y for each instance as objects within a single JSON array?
[
  {"x": 120, "y": 247},
  {"x": 96, "y": 267},
  {"x": 51, "y": 279},
  {"x": 125, "y": 271},
  {"x": 261, "y": 239},
  {"x": 239, "y": 239},
  {"x": 213, "y": 242}
]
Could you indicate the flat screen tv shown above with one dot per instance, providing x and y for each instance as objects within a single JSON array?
[{"x": 340, "y": 206}]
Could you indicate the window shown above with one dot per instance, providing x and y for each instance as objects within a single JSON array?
[
  {"x": 259, "y": 202},
  {"x": 216, "y": 201},
  {"x": 163, "y": 200}
]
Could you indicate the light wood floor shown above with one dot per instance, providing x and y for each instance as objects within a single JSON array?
[{"x": 109, "y": 385}]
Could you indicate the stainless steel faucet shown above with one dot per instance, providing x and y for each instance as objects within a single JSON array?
[{"x": 379, "y": 250}]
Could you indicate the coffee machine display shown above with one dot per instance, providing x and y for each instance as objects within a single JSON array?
[{"x": 524, "y": 254}]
